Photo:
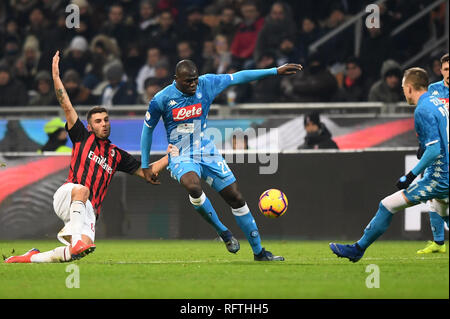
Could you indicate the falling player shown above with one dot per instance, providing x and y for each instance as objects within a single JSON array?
[
  {"x": 439, "y": 90},
  {"x": 93, "y": 163},
  {"x": 184, "y": 107},
  {"x": 431, "y": 125}
]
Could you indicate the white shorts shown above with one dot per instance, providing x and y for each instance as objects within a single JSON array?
[{"x": 62, "y": 200}]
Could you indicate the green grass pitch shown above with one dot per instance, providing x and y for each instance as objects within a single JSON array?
[{"x": 194, "y": 269}]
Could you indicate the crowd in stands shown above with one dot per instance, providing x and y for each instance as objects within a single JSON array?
[{"x": 123, "y": 52}]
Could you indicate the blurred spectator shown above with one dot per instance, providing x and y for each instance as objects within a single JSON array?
[
  {"x": 45, "y": 94},
  {"x": 435, "y": 68},
  {"x": 288, "y": 52},
  {"x": 162, "y": 72},
  {"x": 228, "y": 23},
  {"x": 133, "y": 59},
  {"x": 315, "y": 84},
  {"x": 164, "y": 36},
  {"x": 376, "y": 47},
  {"x": 269, "y": 88},
  {"x": 119, "y": 90},
  {"x": 38, "y": 26},
  {"x": 22, "y": 9},
  {"x": 239, "y": 140},
  {"x": 221, "y": 58},
  {"x": 85, "y": 28},
  {"x": 12, "y": 50},
  {"x": 147, "y": 16},
  {"x": 115, "y": 26},
  {"x": 317, "y": 134},
  {"x": 244, "y": 41},
  {"x": 310, "y": 32},
  {"x": 186, "y": 52},
  {"x": 78, "y": 94},
  {"x": 278, "y": 26},
  {"x": 57, "y": 137},
  {"x": 151, "y": 87},
  {"x": 77, "y": 56},
  {"x": 195, "y": 31},
  {"x": 148, "y": 69},
  {"x": 389, "y": 88},
  {"x": 104, "y": 52},
  {"x": 28, "y": 64},
  {"x": 12, "y": 91},
  {"x": 356, "y": 85}
]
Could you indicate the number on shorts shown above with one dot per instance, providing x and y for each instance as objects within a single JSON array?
[{"x": 224, "y": 166}]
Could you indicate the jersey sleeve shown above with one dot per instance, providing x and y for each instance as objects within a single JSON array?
[
  {"x": 128, "y": 163},
  {"x": 78, "y": 132},
  {"x": 153, "y": 114},
  {"x": 426, "y": 125},
  {"x": 216, "y": 83}
]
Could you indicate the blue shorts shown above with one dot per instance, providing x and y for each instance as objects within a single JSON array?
[
  {"x": 213, "y": 169},
  {"x": 427, "y": 188}
]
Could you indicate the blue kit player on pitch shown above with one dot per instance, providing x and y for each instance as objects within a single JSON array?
[
  {"x": 184, "y": 107},
  {"x": 432, "y": 127},
  {"x": 439, "y": 90}
]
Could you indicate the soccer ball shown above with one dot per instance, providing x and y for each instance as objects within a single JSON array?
[{"x": 273, "y": 203}]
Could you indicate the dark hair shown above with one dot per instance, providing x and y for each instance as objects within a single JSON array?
[
  {"x": 418, "y": 78},
  {"x": 445, "y": 58},
  {"x": 94, "y": 110},
  {"x": 313, "y": 117}
]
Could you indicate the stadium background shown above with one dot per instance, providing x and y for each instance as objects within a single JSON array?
[{"x": 134, "y": 41}]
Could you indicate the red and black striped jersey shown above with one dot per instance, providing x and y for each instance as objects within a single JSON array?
[{"x": 94, "y": 162}]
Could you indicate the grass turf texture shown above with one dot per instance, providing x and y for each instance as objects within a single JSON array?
[{"x": 195, "y": 269}]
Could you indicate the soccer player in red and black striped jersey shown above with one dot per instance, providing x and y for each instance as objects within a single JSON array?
[{"x": 94, "y": 161}]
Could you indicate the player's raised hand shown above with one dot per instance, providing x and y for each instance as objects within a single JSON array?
[
  {"x": 289, "y": 68},
  {"x": 55, "y": 65}
]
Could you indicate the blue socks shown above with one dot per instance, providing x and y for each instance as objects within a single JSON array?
[
  {"x": 247, "y": 223},
  {"x": 206, "y": 210},
  {"x": 437, "y": 226},
  {"x": 377, "y": 226}
]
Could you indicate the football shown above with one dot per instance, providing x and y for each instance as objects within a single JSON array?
[{"x": 273, "y": 203}]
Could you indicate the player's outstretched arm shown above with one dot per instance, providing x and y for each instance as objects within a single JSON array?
[
  {"x": 254, "y": 75},
  {"x": 61, "y": 94}
]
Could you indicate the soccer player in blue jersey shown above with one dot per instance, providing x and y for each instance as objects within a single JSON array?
[
  {"x": 431, "y": 125},
  {"x": 439, "y": 90},
  {"x": 184, "y": 107}
]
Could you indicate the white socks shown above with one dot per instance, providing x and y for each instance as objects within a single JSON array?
[
  {"x": 77, "y": 217},
  {"x": 59, "y": 254},
  {"x": 198, "y": 201}
]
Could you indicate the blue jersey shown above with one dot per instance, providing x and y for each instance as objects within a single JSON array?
[
  {"x": 185, "y": 116},
  {"x": 439, "y": 90},
  {"x": 431, "y": 125}
]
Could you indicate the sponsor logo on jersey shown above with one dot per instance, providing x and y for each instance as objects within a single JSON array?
[
  {"x": 445, "y": 101},
  {"x": 187, "y": 112},
  {"x": 100, "y": 160}
]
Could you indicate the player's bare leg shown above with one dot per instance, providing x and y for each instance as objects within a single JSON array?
[
  {"x": 246, "y": 222},
  {"x": 201, "y": 203}
]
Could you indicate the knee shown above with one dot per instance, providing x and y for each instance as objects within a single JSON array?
[
  {"x": 80, "y": 193},
  {"x": 192, "y": 185},
  {"x": 236, "y": 200}
]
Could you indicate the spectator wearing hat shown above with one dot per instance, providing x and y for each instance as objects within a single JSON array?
[
  {"x": 119, "y": 90},
  {"x": 78, "y": 93},
  {"x": 77, "y": 56},
  {"x": 45, "y": 95},
  {"x": 389, "y": 88},
  {"x": 356, "y": 85},
  {"x": 29, "y": 63},
  {"x": 12, "y": 91},
  {"x": 57, "y": 137},
  {"x": 317, "y": 134}
]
